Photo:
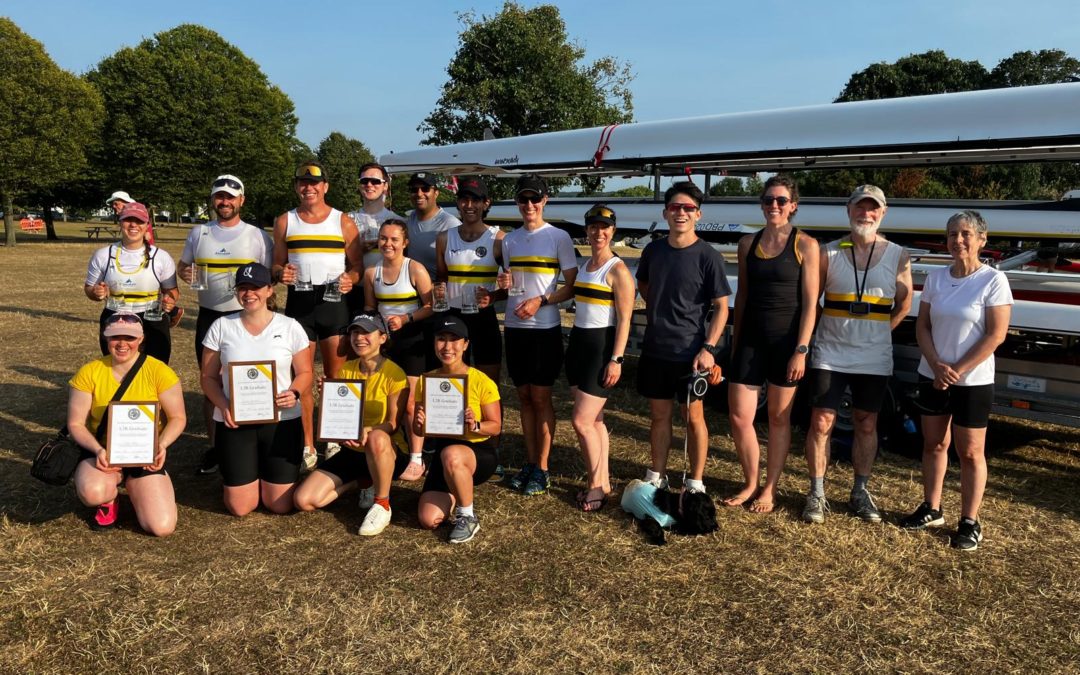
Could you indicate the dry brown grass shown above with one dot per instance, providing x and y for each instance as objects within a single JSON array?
[{"x": 542, "y": 588}]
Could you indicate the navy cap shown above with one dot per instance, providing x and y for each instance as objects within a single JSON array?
[
  {"x": 424, "y": 178},
  {"x": 473, "y": 186},
  {"x": 452, "y": 325},
  {"x": 253, "y": 274},
  {"x": 531, "y": 183},
  {"x": 369, "y": 322}
]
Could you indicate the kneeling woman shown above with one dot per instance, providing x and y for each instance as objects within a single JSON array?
[
  {"x": 258, "y": 461},
  {"x": 381, "y": 452},
  {"x": 96, "y": 483},
  {"x": 461, "y": 462}
]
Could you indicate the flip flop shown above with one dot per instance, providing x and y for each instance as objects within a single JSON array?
[
  {"x": 758, "y": 506},
  {"x": 588, "y": 503}
]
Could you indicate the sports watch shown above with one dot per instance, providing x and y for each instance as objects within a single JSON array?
[
  {"x": 618, "y": 359},
  {"x": 802, "y": 349}
]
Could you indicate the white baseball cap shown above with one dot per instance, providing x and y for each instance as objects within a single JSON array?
[{"x": 121, "y": 195}]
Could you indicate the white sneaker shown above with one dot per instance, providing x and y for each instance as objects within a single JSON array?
[
  {"x": 658, "y": 483},
  {"x": 332, "y": 449},
  {"x": 367, "y": 497},
  {"x": 309, "y": 459},
  {"x": 375, "y": 521}
]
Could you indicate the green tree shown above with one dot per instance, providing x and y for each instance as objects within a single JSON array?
[
  {"x": 634, "y": 191},
  {"x": 931, "y": 72},
  {"x": 48, "y": 120},
  {"x": 342, "y": 158},
  {"x": 1023, "y": 69},
  {"x": 186, "y": 106},
  {"x": 729, "y": 186},
  {"x": 517, "y": 73}
]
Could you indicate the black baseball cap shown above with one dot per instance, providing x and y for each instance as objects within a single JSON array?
[
  {"x": 369, "y": 322},
  {"x": 424, "y": 178},
  {"x": 312, "y": 171},
  {"x": 253, "y": 274},
  {"x": 531, "y": 183},
  {"x": 454, "y": 326},
  {"x": 473, "y": 186},
  {"x": 600, "y": 213}
]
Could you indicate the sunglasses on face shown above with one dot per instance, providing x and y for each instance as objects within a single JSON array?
[
  {"x": 309, "y": 172},
  {"x": 685, "y": 208},
  {"x": 371, "y": 181},
  {"x": 227, "y": 183},
  {"x": 767, "y": 200},
  {"x": 421, "y": 188},
  {"x": 534, "y": 199}
]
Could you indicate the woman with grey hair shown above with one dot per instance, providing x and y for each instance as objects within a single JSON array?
[{"x": 963, "y": 317}]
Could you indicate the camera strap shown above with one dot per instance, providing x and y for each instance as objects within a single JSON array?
[{"x": 859, "y": 290}]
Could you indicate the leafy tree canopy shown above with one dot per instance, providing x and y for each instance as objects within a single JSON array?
[
  {"x": 342, "y": 158},
  {"x": 48, "y": 120},
  {"x": 186, "y": 106}
]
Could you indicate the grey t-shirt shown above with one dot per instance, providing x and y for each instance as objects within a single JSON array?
[
  {"x": 683, "y": 282},
  {"x": 422, "y": 235}
]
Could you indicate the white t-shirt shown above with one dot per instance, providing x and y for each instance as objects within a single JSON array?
[
  {"x": 223, "y": 250},
  {"x": 541, "y": 255},
  {"x": 278, "y": 342},
  {"x": 958, "y": 316},
  {"x": 367, "y": 227}
]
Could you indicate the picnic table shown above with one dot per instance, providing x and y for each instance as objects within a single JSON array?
[{"x": 94, "y": 231}]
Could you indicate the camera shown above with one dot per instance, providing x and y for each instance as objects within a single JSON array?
[{"x": 699, "y": 383}]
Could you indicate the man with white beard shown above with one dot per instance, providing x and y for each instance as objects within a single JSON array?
[{"x": 867, "y": 286}]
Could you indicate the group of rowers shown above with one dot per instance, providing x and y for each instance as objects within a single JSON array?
[{"x": 387, "y": 300}]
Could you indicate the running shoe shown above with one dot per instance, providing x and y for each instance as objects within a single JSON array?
[
  {"x": 925, "y": 516},
  {"x": 816, "y": 506},
  {"x": 106, "y": 515},
  {"x": 538, "y": 483},
  {"x": 414, "y": 471},
  {"x": 332, "y": 449},
  {"x": 465, "y": 528},
  {"x": 968, "y": 535},
  {"x": 862, "y": 505},
  {"x": 660, "y": 483},
  {"x": 367, "y": 497},
  {"x": 309, "y": 460},
  {"x": 521, "y": 477},
  {"x": 209, "y": 463},
  {"x": 375, "y": 521}
]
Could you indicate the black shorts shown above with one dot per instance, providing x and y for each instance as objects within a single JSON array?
[
  {"x": 969, "y": 406},
  {"x": 206, "y": 318},
  {"x": 156, "y": 336},
  {"x": 827, "y": 390},
  {"x": 758, "y": 359},
  {"x": 408, "y": 347},
  {"x": 319, "y": 318},
  {"x": 350, "y": 465},
  {"x": 587, "y": 357},
  {"x": 664, "y": 380},
  {"x": 270, "y": 452},
  {"x": 485, "y": 341},
  {"x": 127, "y": 471},
  {"x": 486, "y": 463},
  {"x": 534, "y": 355}
]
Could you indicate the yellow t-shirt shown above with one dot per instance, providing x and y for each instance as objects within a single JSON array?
[
  {"x": 380, "y": 386},
  {"x": 96, "y": 378},
  {"x": 482, "y": 391}
]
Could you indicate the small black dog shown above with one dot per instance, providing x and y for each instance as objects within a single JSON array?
[{"x": 688, "y": 513}]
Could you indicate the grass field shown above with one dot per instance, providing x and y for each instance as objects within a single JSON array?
[{"x": 543, "y": 588}]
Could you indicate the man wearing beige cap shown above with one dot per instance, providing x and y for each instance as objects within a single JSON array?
[{"x": 867, "y": 286}]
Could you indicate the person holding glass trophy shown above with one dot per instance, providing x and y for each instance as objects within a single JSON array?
[
  {"x": 134, "y": 275},
  {"x": 314, "y": 245},
  {"x": 467, "y": 262},
  {"x": 375, "y": 191},
  {"x": 147, "y": 381},
  {"x": 458, "y": 406},
  {"x": 211, "y": 255},
  {"x": 400, "y": 289}
]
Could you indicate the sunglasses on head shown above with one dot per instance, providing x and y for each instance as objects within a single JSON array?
[
  {"x": 227, "y": 183},
  {"x": 534, "y": 198},
  {"x": 309, "y": 171},
  {"x": 767, "y": 200},
  {"x": 686, "y": 208},
  {"x": 122, "y": 318},
  {"x": 600, "y": 212},
  {"x": 371, "y": 181}
]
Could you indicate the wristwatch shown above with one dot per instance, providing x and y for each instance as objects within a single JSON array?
[
  {"x": 802, "y": 349},
  {"x": 296, "y": 394},
  {"x": 618, "y": 359},
  {"x": 710, "y": 348},
  {"x": 543, "y": 301},
  {"x": 476, "y": 426}
]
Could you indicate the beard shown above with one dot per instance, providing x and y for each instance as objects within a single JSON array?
[{"x": 865, "y": 231}]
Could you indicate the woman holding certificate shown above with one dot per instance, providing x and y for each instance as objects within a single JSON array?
[
  {"x": 461, "y": 411},
  {"x": 256, "y": 364},
  {"x": 145, "y": 380},
  {"x": 135, "y": 276},
  {"x": 400, "y": 289},
  {"x": 381, "y": 451}
]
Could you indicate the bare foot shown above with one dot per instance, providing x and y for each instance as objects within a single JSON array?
[
  {"x": 763, "y": 503},
  {"x": 742, "y": 496}
]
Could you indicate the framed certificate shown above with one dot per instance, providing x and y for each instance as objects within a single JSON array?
[
  {"x": 252, "y": 389},
  {"x": 131, "y": 437},
  {"x": 445, "y": 399},
  {"x": 341, "y": 410}
]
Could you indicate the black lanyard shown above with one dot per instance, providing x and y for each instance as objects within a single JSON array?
[{"x": 859, "y": 290}]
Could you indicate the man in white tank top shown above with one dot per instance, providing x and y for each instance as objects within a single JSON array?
[
  {"x": 866, "y": 281},
  {"x": 327, "y": 245},
  {"x": 221, "y": 246}
]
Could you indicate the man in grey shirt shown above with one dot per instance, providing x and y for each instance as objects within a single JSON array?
[{"x": 426, "y": 220}]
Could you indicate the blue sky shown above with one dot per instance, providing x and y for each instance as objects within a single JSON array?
[{"x": 373, "y": 70}]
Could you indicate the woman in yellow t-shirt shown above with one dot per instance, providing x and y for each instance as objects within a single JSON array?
[
  {"x": 382, "y": 452},
  {"x": 464, "y": 462},
  {"x": 96, "y": 482}
]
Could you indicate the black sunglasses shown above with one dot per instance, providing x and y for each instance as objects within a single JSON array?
[
  {"x": 535, "y": 199},
  {"x": 229, "y": 183},
  {"x": 767, "y": 200},
  {"x": 421, "y": 188},
  {"x": 371, "y": 181}
]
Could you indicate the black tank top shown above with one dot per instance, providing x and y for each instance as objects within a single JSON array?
[{"x": 774, "y": 301}]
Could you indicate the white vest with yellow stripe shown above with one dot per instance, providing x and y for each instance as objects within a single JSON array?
[
  {"x": 469, "y": 262},
  {"x": 319, "y": 245},
  {"x": 594, "y": 300}
]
